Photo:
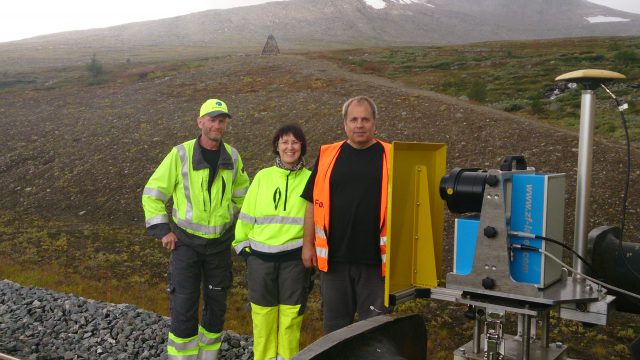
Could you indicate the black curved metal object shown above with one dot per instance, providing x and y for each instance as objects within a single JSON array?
[
  {"x": 609, "y": 266},
  {"x": 381, "y": 337}
]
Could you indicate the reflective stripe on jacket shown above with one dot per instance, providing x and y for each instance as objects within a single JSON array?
[
  {"x": 272, "y": 216},
  {"x": 183, "y": 175},
  {"x": 322, "y": 202}
]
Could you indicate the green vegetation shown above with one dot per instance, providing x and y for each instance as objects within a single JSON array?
[
  {"x": 478, "y": 91},
  {"x": 625, "y": 57},
  {"x": 95, "y": 70},
  {"x": 514, "y": 76}
]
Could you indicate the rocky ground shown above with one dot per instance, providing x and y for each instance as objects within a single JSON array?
[{"x": 38, "y": 324}]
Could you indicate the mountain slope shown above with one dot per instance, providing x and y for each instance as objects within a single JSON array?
[
  {"x": 298, "y": 22},
  {"x": 319, "y": 24}
]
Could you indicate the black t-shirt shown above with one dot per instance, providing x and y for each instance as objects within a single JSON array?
[
  {"x": 211, "y": 157},
  {"x": 355, "y": 190}
]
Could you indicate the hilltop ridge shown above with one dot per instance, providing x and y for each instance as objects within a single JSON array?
[{"x": 325, "y": 24}]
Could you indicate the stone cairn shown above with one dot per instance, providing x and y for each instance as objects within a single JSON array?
[{"x": 271, "y": 46}]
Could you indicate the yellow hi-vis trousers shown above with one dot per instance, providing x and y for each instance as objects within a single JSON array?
[
  {"x": 276, "y": 331},
  {"x": 278, "y": 294}
]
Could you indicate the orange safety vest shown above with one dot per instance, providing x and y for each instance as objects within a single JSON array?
[{"x": 321, "y": 202}]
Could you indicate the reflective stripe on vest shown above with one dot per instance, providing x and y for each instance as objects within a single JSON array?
[
  {"x": 155, "y": 193},
  {"x": 321, "y": 202},
  {"x": 266, "y": 248},
  {"x": 246, "y": 218},
  {"x": 280, "y": 220},
  {"x": 271, "y": 220},
  {"x": 320, "y": 232},
  {"x": 190, "y": 225},
  {"x": 234, "y": 158},
  {"x": 322, "y": 252},
  {"x": 383, "y": 241},
  {"x": 240, "y": 192},
  {"x": 156, "y": 220},
  {"x": 241, "y": 245},
  {"x": 184, "y": 159}
]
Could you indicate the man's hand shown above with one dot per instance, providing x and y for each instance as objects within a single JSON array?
[
  {"x": 309, "y": 257},
  {"x": 169, "y": 241}
]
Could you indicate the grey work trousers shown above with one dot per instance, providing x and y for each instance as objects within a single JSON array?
[
  {"x": 189, "y": 270},
  {"x": 277, "y": 283},
  {"x": 348, "y": 289}
]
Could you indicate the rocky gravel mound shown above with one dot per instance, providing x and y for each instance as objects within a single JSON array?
[{"x": 37, "y": 323}]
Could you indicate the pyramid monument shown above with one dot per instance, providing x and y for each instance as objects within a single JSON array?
[{"x": 271, "y": 46}]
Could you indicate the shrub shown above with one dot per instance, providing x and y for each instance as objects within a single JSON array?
[
  {"x": 625, "y": 57},
  {"x": 537, "y": 107},
  {"x": 594, "y": 58},
  {"x": 513, "y": 107},
  {"x": 478, "y": 91},
  {"x": 442, "y": 65},
  {"x": 94, "y": 67}
]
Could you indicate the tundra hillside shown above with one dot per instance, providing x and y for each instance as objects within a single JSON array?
[{"x": 76, "y": 157}]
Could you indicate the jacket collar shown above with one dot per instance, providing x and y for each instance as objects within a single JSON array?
[{"x": 198, "y": 163}]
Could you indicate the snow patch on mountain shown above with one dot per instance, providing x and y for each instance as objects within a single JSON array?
[
  {"x": 381, "y": 4},
  {"x": 376, "y": 4},
  {"x": 600, "y": 19}
]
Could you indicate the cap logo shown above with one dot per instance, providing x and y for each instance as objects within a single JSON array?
[{"x": 218, "y": 103}]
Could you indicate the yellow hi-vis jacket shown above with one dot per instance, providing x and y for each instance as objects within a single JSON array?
[
  {"x": 272, "y": 216},
  {"x": 184, "y": 176}
]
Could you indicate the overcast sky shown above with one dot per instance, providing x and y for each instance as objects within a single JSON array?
[{"x": 21, "y": 19}]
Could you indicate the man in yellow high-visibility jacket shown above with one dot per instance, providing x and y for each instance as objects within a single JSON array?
[{"x": 206, "y": 180}]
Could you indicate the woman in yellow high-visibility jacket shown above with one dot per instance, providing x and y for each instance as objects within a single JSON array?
[{"x": 269, "y": 235}]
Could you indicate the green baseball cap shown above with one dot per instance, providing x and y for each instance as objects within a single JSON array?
[{"x": 213, "y": 108}]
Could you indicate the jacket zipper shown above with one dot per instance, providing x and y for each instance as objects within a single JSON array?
[{"x": 286, "y": 191}]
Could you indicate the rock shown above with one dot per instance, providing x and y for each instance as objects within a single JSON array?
[{"x": 88, "y": 329}]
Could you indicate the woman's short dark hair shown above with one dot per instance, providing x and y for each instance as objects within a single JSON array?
[{"x": 294, "y": 130}]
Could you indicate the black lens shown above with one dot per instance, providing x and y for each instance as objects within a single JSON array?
[{"x": 463, "y": 189}]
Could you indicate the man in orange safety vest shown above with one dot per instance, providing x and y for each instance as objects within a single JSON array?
[{"x": 345, "y": 220}]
